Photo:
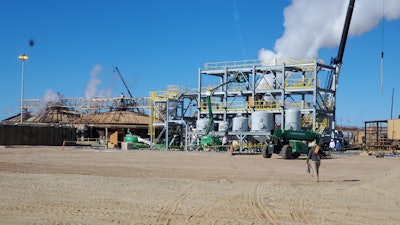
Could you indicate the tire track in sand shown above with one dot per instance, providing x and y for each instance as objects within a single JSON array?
[
  {"x": 169, "y": 209},
  {"x": 263, "y": 213},
  {"x": 298, "y": 209}
]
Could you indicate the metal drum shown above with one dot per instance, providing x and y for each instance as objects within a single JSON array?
[
  {"x": 201, "y": 124},
  {"x": 292, "y": 119},
  {"x": 262, "y": 121},
  {"x": 240, "y": 123},
  {"x": 223, "y": 126}
]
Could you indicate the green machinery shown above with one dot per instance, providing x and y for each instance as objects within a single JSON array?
[
  {"x": 208, "y": 140},
  {"x": 289, "y": 143},
  {"x": 134, "y": 140}
]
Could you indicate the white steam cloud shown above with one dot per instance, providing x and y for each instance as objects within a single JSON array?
[
  {"x": 49, "y": 98},
  {"x": 91, "y": 87},
  {"x": 9, "y": 111},
  {"x": 91, "y": 90},
  {"x": 314, "y": 24}
]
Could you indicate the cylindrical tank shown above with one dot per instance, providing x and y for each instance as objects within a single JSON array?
[
  {"x": 240, "y": 123},
  {"x": 223, "y": 126},
  {"x": 292, "y": 119},
  {"x": 262, "y": 121},
  {"x": 201, "y": 124}
]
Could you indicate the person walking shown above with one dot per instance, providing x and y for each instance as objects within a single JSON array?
[{"x": 314, "y": 154}]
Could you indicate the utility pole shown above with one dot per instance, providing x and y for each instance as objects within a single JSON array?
[{"x": 22, "y": 57}]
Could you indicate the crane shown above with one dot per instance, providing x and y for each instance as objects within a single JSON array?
[
  {"x": 123, "y": 81},
  {"x": 289, "y": 143},
  {"x": 338, "y": 60},
  {"x": 126, "y": 86}
]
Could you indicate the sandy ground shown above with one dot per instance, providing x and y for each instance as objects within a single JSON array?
[{"x": 48, "y": 185}]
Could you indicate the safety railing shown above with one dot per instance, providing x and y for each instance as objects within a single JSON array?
[
  {"x": 258, "y": 63},
  {"x": 232, "y": 64},
  {"x": 220, "y": 107},
  {"x": 267, "y": 105},
  {"x": 301, "y": 83}
]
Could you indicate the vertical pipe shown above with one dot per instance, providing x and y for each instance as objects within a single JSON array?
[
  {"x": 283, "y": 97},
  {"x": 377, "y": 132},
  {"x": 199, "y": 93},
  {"x": 22, "y": 91},
  {"x": 186, "y": 136},
  {"x": 365, "y": 134},
  {"x": 166, "y": 127},
  {"x": 315, "y": 96},
  {"x": 107, "y": 139},
  {"x": 382, "y": 73},
  {"x": 391, "y": 109},
  {"x": 253, "y": 87},
  {"x": 225, "y": 89},
  {"x": 152, "y": 123}
]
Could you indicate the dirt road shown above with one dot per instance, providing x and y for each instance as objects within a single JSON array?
[{"x": 47, "y": 185}]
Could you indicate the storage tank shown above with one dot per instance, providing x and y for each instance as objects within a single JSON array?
[
  {"x": 223, "y": 126},
  {"x": 201, "y": 124},
  {"x": 240, "y": 123},
  {"x": 292, "y": 119},
  {"x": 262, "y": 121}
]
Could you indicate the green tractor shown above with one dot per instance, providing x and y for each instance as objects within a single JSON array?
[{"x": 290, "y": 144}]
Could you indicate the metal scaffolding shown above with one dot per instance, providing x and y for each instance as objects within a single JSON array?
[
  {"x": 285, "y": 84},
  {"x": 94, "y": 105},
  {"x": 275, "y": 87}
]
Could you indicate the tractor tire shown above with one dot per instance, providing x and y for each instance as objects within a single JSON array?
[
  {"x": 287, "y": 152},
  {"x": 264, "y": 151},
  {"x": 295, "y": 155}
]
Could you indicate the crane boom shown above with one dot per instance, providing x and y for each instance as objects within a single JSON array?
[
  {"x": 345, "y": 32},
  {"x": 333, "y": 78},
  {"x": 123, "y": 81}
]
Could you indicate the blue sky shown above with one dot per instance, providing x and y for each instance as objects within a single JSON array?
[{"x": 158, "y": 43}]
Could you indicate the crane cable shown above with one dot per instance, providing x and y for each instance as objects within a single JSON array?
[{"x": 382, "y": 52}]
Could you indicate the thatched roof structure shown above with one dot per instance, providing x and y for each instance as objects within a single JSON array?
[
  {"x": 52, "y": 115},
  {"x": 115, "y": 119}
]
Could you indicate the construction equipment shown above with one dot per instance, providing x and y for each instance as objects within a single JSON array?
[
  {"x": 336, "y": 62},
  {"x": 208, "y": 139},
  {"x": 289, "y": 143},
  {"x": 123, "y": 81},
  {"x": 124, "y": 103},
  {"x": 292, "y": 143}
]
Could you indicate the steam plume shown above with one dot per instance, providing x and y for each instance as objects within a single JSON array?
[
  {"x": 91, "y": 87},
  {"x": 49, "y": 97},
  {"x": 9, "y": 111},
  {"x": 314, "y": 24}
]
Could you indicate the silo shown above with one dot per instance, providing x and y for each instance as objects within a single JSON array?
[
  {"x": 262, "y": 121},
  {"x": 292, "y": 119},
  {"x": 240, "y": 123}
]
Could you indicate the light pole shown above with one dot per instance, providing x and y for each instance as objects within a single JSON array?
[{"x": 22, "y": 57}]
